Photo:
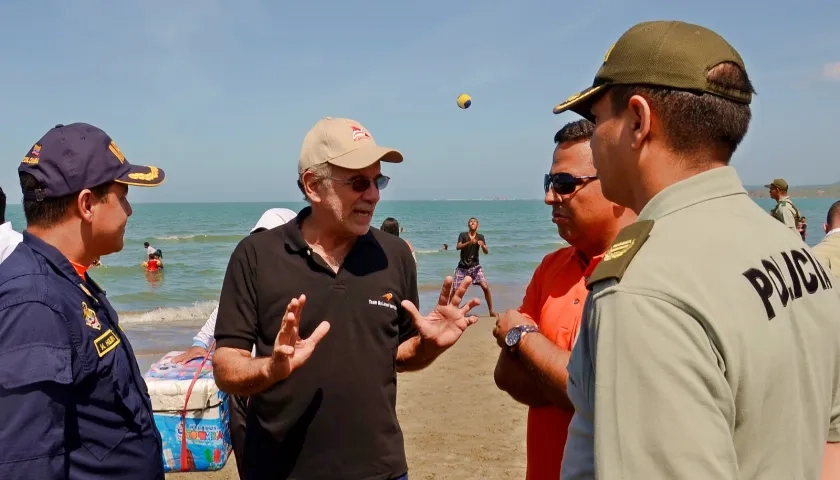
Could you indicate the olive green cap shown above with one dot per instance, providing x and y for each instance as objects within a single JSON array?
[
  {"x": 779, "y": 183},
  {"x": 668, "y": 54}
]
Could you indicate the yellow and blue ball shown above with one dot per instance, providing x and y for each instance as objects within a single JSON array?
[{"x": 464, "y": 101}]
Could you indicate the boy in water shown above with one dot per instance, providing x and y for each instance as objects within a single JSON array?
[
  {"x": 154, "y": 263},
  {"x": 468, "y": 244}
]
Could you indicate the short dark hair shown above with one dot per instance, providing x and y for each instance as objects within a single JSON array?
[
  {"x": 576, "y": 131},
  {"x": 697, "y": 122},
  {"x": 833, "y": 216},
  {"x": 391, "y": 225},
  {"x": 2, "y": 206},
  {"x": 51, "y": 211}
]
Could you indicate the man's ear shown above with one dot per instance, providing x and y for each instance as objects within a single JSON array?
[
  {"x": 309, "y": 185},
  {"x": 639, "y": 114},
  {"x": 84, "y": 204}
]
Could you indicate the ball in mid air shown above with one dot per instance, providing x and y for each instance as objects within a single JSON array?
[{"x": 464, "y": 101}]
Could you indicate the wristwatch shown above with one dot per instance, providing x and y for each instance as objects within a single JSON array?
[{"x": 515, "y": 334}]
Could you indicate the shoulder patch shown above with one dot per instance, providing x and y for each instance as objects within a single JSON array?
[{"x": 625, "y": 246}]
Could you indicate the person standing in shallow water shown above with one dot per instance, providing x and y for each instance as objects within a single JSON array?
[
  {"x": 392, "y": 226},
  {"x": 469, "y": 243}
]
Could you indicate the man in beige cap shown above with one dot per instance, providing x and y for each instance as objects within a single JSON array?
[
  {"x": 784, "y": 211},
  {"x": 323, "y": 395},
  {"x": 710, "y": 341}
]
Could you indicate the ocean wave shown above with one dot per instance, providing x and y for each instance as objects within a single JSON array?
[
  {"x": 197, "y": 238},
  {"x": 196, "y": 311}
]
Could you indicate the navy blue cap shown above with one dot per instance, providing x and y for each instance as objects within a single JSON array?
[{"x": 71, "y": 158}]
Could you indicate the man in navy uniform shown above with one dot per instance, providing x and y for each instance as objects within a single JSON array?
[{"x": 73, "y": 397}]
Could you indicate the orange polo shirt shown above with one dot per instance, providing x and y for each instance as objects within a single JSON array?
[
  {"x": 554, "y": 300},
  {"x": 80, "y": 269}
]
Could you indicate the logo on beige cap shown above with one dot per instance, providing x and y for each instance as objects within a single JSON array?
[{"x": 359, "y": 133}]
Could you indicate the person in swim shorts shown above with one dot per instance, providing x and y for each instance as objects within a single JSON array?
[{"x": 468, "y": 266}]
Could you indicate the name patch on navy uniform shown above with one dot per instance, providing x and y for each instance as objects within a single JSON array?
[
  {"x": 626, "y": 245},
  {"x": 106, "y": 342},
  {"x": 797, "y": 274}
]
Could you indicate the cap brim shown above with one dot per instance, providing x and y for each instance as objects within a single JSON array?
[
  {"x": 366, "y": 156},
  {"x": 581, "y": 103},
  {"x": 142, "y": 176}
]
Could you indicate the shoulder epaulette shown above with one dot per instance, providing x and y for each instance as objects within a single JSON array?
[{"x": 625, "y": 246}]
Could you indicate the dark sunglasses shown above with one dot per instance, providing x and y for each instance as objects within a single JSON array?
[
  {"x": 564, "y": 183},
  {"x": 361, "y": 184}
]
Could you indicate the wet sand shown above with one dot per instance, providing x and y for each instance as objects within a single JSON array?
[{"x": 457, "y": 424}]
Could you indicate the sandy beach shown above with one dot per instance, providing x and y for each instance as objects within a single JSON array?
[{"x": 457, "y": 424}]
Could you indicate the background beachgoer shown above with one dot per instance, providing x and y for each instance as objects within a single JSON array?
[
  {"x": 392, "y": 226},
  {"x": 469, "y": 243}
]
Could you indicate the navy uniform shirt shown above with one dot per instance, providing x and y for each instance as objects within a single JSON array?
[{"x": 74, "y": 402}]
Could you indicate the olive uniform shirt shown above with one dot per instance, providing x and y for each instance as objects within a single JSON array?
[
  {"x": 785, "y": 212},
  {"x": 828, "y": 252},
  {"x": 709, "y": 356}
]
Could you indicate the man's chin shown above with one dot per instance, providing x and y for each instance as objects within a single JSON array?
[
  {"x": 566, "y": 234},
  {"x": 360, "y": 229},
  {"x": 115, "y": 247}
]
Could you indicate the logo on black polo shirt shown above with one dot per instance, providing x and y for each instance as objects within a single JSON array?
[{"x": 387, "y": 303}]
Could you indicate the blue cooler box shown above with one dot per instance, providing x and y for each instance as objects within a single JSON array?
[{"x": 207, "y": 419}]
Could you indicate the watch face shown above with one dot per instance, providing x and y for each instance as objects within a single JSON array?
[{"x": 512, "y": 337}]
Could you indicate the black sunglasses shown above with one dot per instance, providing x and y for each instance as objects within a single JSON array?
[
  {"x": 564, "y": 183},
  {"x": 361, "y": 184}
]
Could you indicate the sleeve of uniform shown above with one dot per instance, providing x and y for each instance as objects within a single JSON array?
[
  {"x": 661, "y": 400},
  {"x": 205, "y": 336},
  {"x": 406, "y": 324},
  {"x": 834, "y": 427},
  {"x": 788, "y": 218},
  {"x": 236, "y": 321},
  {"x": 36, "y": 374}
]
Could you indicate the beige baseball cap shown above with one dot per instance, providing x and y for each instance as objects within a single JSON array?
[{"x": 344, "y": 143}]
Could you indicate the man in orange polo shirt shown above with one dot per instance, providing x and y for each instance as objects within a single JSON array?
[{"x": 537, "y": 338}]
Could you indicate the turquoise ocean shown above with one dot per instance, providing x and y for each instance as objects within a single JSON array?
[{"x": 163, "y": 310}]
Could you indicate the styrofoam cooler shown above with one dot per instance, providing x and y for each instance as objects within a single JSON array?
[{"x": 207, "y": 418}]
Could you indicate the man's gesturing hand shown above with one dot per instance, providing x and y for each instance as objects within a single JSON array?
[
  {"x": 291, "y": 351},
  {"x": 443, "y": 326}
]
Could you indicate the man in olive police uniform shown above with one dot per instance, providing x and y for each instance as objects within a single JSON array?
[
  {"x": 73, "y": 397},
  {"x": 784, "y": 211},
  {"x": 710, "y": 343}
]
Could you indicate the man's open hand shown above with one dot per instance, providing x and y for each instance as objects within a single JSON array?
[
  {"x": 290, "y": 351},
  {"x": 443, "y": 326}
]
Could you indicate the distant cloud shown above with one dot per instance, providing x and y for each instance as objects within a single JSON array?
[{"x": 831, "y": 72}]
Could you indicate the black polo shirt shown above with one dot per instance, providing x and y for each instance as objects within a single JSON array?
[{"x": 335, "y": 417}]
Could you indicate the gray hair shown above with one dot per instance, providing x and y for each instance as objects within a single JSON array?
[{"x": 321, "y": 171}]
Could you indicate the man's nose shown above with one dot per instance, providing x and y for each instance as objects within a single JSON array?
[
  {"x": 552, "y": 198},
  {"x": 372, "y": 193}
]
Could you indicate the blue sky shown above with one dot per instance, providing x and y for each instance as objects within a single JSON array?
[{"x": 220, "y": 93}]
